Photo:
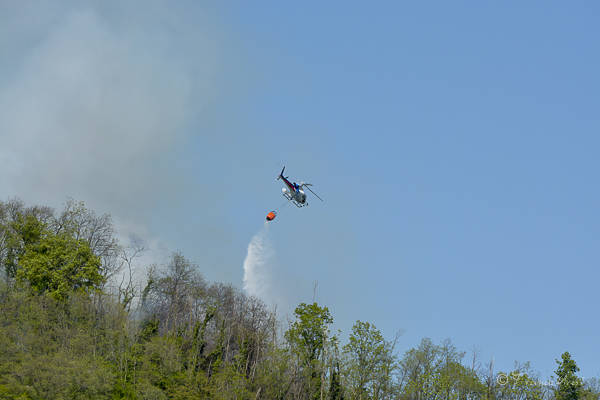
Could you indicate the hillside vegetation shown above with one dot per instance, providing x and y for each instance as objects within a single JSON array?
[{"x": 75, "y": 325}]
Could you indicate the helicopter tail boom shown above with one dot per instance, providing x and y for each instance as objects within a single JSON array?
[{"x": 281, "y": 173}]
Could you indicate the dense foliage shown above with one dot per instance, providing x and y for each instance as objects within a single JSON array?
[{"x": 74, "y": 325}]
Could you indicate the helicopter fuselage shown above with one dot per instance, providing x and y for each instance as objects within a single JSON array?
[{"x": 294, "y": 193}]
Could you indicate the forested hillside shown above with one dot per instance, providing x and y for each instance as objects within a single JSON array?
[{"x": 74, "y": 325}]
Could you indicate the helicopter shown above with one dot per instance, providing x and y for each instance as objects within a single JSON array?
[{"x": 295, "y": 192}]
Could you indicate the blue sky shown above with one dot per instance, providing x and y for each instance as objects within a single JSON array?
[{"x": 455, "y": 144}]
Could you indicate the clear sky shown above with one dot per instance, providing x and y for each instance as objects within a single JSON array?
[{"x": 455, "y": 144}]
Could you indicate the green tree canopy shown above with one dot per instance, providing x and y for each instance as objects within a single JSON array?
[
  {"x": 23, "y": 230},
  {"x": 307, "y": 337},
  {"x": 57, "y": 264},
  {"x": 308, "y": 333},
  {"x": 569, "y": 384},
  {"x": 370, "y": 360}
]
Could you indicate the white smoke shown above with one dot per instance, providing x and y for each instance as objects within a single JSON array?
[
  {"x": 96, "y": 99},
  {"x": 258, "y": 277}
]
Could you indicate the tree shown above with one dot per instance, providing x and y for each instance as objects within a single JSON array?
[
  {"x": 370, "y": 361},
  {"x": 97, "y": 231},
  {"x": 307, "y": 338},
  {"x": 58, "y": 264},
  {"x": 19, "y": 226},
  {"x": 335, "y": 386},
  {"x": 569, "y": 384},
  {"x": 591, "y": 389},
  {"x": 172, "y": 292},
  {"x": 520, "y": 384},
  {"x": 436, "y": 372}
]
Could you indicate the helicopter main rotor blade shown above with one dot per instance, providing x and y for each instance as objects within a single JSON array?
[{"x": 307, "y": 186}]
